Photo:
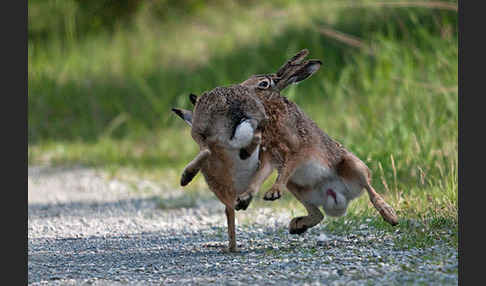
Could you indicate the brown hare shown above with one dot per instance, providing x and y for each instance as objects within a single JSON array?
[
  {"x": 225, "y": 121},
  {"x": 316, "y": 169}
]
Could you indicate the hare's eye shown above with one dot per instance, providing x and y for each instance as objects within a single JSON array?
[{"x": 263, "y": 84}]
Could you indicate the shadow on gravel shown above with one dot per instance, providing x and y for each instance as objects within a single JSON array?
[
  {"x": 146, "y": 256},
  {"x": 91, "y": 208},
  {"x": 44, "y": 171},
  {"x": 198, "y": 257}
]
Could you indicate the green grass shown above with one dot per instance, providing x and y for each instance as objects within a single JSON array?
[{"x": 100, "y": 92}]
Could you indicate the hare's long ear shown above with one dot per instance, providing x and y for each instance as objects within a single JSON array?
[
  {"x": 186, "y": 115},
  {"x": 295, "y": 70},
  {"x": 193, "y": 98},
  {"x": 295, "y": 60},
  {"x": 297, "y": 73},
  {"x": 308, "y": 69}
]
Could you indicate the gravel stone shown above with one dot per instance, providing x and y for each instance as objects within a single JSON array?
[{"x": 87, "y": 229}]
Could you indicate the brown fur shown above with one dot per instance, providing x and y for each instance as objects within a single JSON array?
[
  {"x": 288, "y": 139},
  {"x": 213, "y": 121}
]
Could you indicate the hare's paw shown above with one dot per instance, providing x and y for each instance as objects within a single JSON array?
[
  {"x": 273, "y": 194},
  {"x": 243, "y": 201},
  {"x": 388, "y": 214},
  {"x": 187, "y": 176},
  {"x": 297, "y": 225},
  {"x": 244, "y": 154},
  {"x": 230, "y": 249}
]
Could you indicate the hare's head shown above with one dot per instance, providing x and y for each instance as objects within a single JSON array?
[{"x": 293, "y": 71}]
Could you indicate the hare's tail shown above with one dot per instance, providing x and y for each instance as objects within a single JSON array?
[
  {"x": 385, "y": 210},
  {"x": 242, "y": 136}
]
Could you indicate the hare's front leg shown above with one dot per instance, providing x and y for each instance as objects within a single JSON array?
[
  {"x": 299, "y": 225},
  {"x": 246, "y": 152},
  {"x": 277, "y": 189},
  {"x": 264, "y": 170}
]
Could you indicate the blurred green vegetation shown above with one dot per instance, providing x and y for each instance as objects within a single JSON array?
[{"x": 103, "y": 76}]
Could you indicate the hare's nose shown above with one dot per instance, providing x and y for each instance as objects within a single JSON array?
[{"x": 332, "y": 193}]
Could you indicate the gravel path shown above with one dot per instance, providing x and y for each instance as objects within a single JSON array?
[{"x": 86, "y": 229}]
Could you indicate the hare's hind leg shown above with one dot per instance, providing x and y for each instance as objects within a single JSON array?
[
  {"x": 230, "y": 217},
  {"x": 299, "y": 225},
  {"x": 352, "y": 169},
  {"x": 385, "y": 210},
  {"x": 193, "y": 167}
]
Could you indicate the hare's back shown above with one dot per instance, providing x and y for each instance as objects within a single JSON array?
[
  {"x": 225, "y": 108},
  {"x": 291, "y": 122}
]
